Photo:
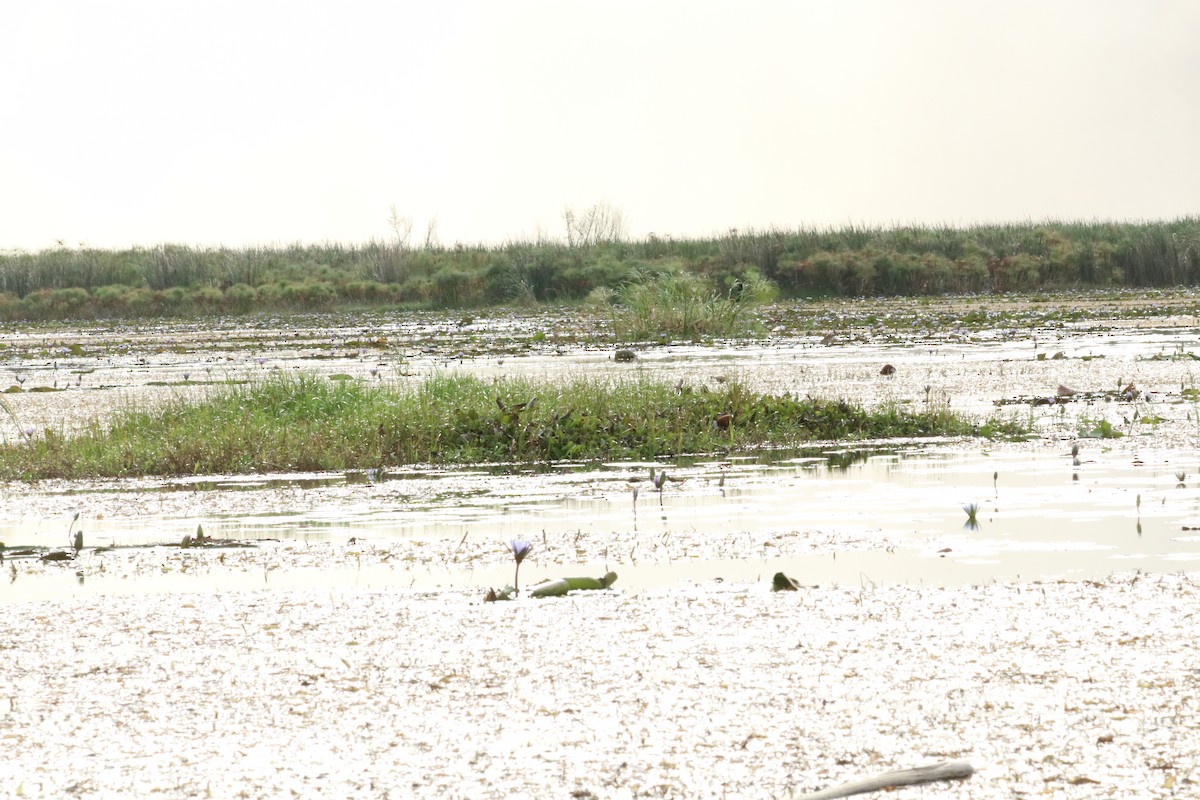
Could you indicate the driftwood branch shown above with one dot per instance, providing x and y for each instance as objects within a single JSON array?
[{"x": 944, "y": 771}]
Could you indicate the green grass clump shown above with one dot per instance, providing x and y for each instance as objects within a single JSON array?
[
  {"x": 686, "y": 306},
  {"x": 308, "y": 423}
]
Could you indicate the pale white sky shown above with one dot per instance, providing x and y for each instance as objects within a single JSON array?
[{"x": 253, "y": 122}]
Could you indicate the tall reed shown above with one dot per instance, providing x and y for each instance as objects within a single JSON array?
[{"x": 853, "y": 260}]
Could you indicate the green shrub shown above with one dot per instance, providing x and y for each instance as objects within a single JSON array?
[
  {"x": 208, "y": 297},
  {"x": 177, "y": 297},
  {"x": 110, "y": 297},
  {"x": 241, "y": 297}
]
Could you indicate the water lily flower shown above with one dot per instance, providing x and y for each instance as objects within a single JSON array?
[
  {"x": 659, "y": 480},
  {"x": 520, "y": 549},
  {"x": 972, "y": 509}
]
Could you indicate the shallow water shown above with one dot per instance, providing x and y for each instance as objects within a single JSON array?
[
  {"x": 849, "y": 517},
  {"x": 887, "y": 515}
]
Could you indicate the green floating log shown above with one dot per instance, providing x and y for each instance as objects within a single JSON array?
[{"x": 553, "y": 588}]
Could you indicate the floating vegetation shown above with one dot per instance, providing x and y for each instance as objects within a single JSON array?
[
  {"x": 1065, "y": 394},
  {"x": 1178, "y": 355},
  {"x": 300, "y": 422},
  {"x": 552, "y": 587},
  {"x": 559, "y": 587},
  {"x": 1098, "y": 429}
]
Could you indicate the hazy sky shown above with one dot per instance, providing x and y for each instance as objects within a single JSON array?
[{"x": 244, "y": 122}]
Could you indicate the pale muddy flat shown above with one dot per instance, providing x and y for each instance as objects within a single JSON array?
[{"x": 1075, "y": 690}]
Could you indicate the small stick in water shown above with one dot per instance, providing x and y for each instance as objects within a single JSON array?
[{"x": 943, "y": 771}]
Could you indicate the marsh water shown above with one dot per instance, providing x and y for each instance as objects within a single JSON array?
[
  {"x": 848, "y": 513},
  {"x": 892, "y": 515}
]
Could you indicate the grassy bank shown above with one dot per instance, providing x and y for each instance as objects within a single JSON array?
[
  {"x": 171, "y": 280},
  {"x": 304, "y": 422}
]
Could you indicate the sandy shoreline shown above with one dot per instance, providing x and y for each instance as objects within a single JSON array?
[{"x": 1079, "y": 689}]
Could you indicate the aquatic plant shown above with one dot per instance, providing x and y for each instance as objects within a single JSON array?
[
  {"x": 304, "y": 422},
  {"x": 972, "y": 522},
  {"x": 76, "y": 540},
  {"x": 678, "y": 305},
  {"x": 659, "y": 479},
  {"x": 1098, "y": 429},
  {"x": 520, "y": 549},
  {"x": 28, "y": 430}
]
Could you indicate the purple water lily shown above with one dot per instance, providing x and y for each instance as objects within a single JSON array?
[
  {"x": 972, "y": 524},
  {"x": 520, "y": 549},
  {"x": 659, "y": 480}
]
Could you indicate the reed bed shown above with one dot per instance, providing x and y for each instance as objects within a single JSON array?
[{"x": 174, "y": 280}]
